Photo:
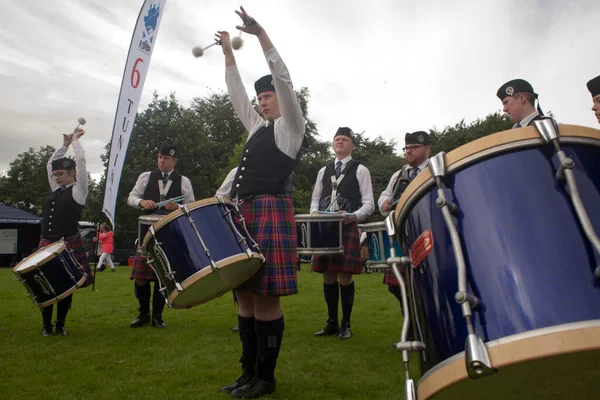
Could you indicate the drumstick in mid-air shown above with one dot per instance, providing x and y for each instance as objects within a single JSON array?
[
  {"x": 80, "y": 121},
  {"x": 199, "y": 51}
]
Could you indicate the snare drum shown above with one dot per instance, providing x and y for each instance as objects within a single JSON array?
[
  {"x": 50, "y": 274},
  {"x": 144, "y": 223},
  {"x": 200, "y": 251},
  {"x": 528, "y": 261},
  {"x": 319, "y": 234},
  {"x": 379, "y": 244}
]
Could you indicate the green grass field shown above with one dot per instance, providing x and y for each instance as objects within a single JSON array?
[{"x": 102, "y": 358}]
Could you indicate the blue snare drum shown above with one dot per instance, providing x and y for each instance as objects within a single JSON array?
[
  {"x": 528, "y": 261},
  {"x": 319, "y": 234},
  {"x": 201, "y": 251},
  {"x": 379, "y": 244},
  {"x": 50, "y": 274}
]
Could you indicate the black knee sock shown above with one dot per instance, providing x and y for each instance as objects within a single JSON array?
[
  {"x": 269, "y": 335},
  {"x": 62, "y": 308},
  {"x": 347, "y": 295},
  {"x": 331, "y": 292},
  {"x": 142, "y": 293},
  {"x": 249, "y": 343},
  {"x": 47, "y": 315},
  {"x": 158, "y": 300}
]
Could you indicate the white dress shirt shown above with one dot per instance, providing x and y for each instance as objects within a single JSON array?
[
  {"x": 225, "y": 188},
  {"x": 137, "y": 194},
  {"x": 289, "y": 127},
  {"x": 80, "y": 187},
  {"x": 364, "y": 183},
  {"x": 525, "y": 121},
  {"x": 387, "y": 193}
]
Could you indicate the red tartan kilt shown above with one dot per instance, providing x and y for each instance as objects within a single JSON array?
[
  {"x": 270, "y": 223},
  {"x": 141, "y": 269},
  {"x": 389, "y": 278},
  {"x": 74, "y": 243},
  {"x": 350, "y": 261}
]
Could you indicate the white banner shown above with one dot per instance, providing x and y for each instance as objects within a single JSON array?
[{"x": 136, "y": 68}]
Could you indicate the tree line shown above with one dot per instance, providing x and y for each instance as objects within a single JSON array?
[{"x": 210, "y": 138}]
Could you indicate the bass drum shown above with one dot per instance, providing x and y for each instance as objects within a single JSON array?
[{"x": 528, "y": 261}]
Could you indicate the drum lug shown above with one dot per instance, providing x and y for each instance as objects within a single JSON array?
[
  {"x": 462, "y": 297},
  {"x": 179, "y": 287},
  {"x": 477, "y": 358},
  {"x": 413, "y": 346}
]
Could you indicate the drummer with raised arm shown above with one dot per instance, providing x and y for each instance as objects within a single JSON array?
[
  {"x": 342, "y": 186},
  {"x": 154, "y": 187},
  {"x": 68, "y": 180}
]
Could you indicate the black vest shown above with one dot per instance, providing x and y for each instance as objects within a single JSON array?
[
  {"x": 348, "y": 191},
  {"x": 263, "y": 168},
  {"x": 152, "y": 191},
  {"x": 400, "y": 185},
  {"x": 61, "y": 215}
]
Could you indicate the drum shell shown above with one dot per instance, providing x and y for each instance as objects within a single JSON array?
[
  {"x": 51, "y": 279},
  {"x": 319, "y": 234},
  {"x": 528, "y": 259},
  {"x": 186, "y": 257},
  {"x": 144, "y": 223},
  {"x": 379, "y": 243}
]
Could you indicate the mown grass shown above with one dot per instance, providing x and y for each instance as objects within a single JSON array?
[{"x": 102, "y": 358}]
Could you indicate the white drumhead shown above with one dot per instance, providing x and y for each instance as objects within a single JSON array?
[{"x": 40, "y": 255}]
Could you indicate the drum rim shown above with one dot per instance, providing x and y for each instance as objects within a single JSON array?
[
  {"x": 485, "y": 147},
  {"x": 190, "y": 280},
  {"x": 63, "y": 295},
  {"x": 370, "y": 225},
  {"x": 178, "y": 213},
  {"x": 514, "y": 349},
  {"x": 154, "y": 217},
  {"x": 62, "y": 247},
  {"x": 318, "y": 217}
]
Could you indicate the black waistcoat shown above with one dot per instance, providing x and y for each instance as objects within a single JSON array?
[
  {"x": 348, "y": 190},
  {"x": 263, "y": 168},
  {"x": 61, "y": 215},
  {"x": 152, "y": 191}
]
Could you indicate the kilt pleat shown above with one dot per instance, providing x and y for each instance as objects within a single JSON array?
[{"x": 350, "y": 261}]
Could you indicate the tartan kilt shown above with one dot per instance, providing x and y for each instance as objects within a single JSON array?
[
  {"x": 270, "y": 222},
  {"x": 389, "y": 278},
  {"x": 350, "y": 261},
  {"x": 141, "y": 269},
  {"x": 74, "y": 244}
]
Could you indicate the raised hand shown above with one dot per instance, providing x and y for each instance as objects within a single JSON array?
[
  {"x": 78, "y": 133},
  {"x": 223, "y": 37},
  {"x": 250, "y": 25},
  {"x": 67, "y": 139}
]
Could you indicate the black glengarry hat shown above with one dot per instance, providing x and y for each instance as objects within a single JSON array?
[
  {"x": 594, "y": 86},
  {"x": 418, "y": 137},
  {"x": 63, "y": 163},
  {"x": 514, "y": 86},
  {"x": 264, "y": 84},
  {"x": 168, "y": 150},
  {"x": 345, "y": 131}
]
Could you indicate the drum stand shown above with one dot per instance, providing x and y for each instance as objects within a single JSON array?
[
  {"x": 548, "y": 130},
  {"x": 403, "y": 345},
  {"x": 476, "y": 354}
]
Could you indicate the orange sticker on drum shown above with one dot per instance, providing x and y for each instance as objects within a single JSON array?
[{"x": 421, "y": 247}]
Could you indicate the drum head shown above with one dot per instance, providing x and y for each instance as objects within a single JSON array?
[{"x": 41, "y": 256}]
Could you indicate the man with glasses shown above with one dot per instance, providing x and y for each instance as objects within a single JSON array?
[
  {"x": 417, "y": 152},
  {"x": 68, "y": 180}
]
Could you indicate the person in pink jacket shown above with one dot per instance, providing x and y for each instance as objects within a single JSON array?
[{"x": 106, "y": 236}]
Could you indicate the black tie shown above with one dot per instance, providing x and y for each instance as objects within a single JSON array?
[
  {"x": 413, "y": 173},
  {"x": 338, "y": 169}
]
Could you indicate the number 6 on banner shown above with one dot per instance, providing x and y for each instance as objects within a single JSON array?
[{"x": 135, "y": 74}]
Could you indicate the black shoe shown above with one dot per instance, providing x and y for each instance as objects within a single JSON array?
[
  {"x": 235, "y": 328},
  {"x": 244, "y": 379},
  {"x": 47, "y": 330},
  {"x": 141, "y": 320},
  {"x": 158, "y": 322},
  {"x": 255, "y": 388},
  {"x": 344, "y": 333},
  {"x": 60, "y": 331},
  {"x": 330, "y": 329},
  {"x": 102, "y": 268}
]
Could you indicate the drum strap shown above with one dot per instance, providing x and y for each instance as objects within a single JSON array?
[
  {"x": 164, "y": 189},
  {"x": 333, "y": 206}
]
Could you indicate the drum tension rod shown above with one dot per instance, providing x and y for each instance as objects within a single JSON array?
[
  {"x": 548, "y": 130},
  {"x": 476, "y": 355},
  {"x": 213, "y": 266}
]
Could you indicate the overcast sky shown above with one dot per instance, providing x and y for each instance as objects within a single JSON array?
[{"x": 385, "y": 67}]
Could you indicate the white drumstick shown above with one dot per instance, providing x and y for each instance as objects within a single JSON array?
[
  {"x": 80, "y": 121},
  {"x": 199, "y": 51}
]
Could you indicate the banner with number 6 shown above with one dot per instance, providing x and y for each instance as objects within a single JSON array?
[{"x": 134, "y": 76}]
